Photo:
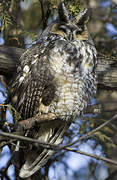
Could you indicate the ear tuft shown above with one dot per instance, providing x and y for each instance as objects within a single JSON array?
[
  {"x": 63, "y": 13},
  {"x": 82, "y": 17}
]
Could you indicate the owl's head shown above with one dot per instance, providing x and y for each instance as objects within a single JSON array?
[{"x": 71, "y": 28}]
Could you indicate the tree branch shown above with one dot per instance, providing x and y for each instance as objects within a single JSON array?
[
  {"x": 3, "y": 171},
  {"x": 56, "y": 147},
  {"x": 102, "y": 107},
  {"x": 9, "y": 58},
  {"x": 106, "y": 68},
  {"x": 66, "y": 147},
  {"x": 39, "y": 119}
]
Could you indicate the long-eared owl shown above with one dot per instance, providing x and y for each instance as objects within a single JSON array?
[{"x": 56, "y": 75}]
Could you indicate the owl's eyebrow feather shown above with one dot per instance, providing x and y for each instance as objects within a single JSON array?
[{"x": 68, "y": 28}]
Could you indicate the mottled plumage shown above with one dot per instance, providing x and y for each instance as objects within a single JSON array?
[{"x": 56, "y": 75}]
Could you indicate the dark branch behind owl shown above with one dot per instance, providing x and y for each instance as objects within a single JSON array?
[{"x": 106, "y": 67}]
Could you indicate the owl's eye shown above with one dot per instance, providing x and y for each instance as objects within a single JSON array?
[
  {"x": 79, "y": 31},
  {"x": 63, "y": 28}
]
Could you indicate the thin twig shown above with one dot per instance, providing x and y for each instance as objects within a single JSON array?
[
  {"x": 89, "y": 134},
  {"x": 66, "y": 147},
  {"x": 56, "y": 147},
  {"x": 23, "y": 138},
  {"x": 93, "y": 156},
  {"x": 3, "y": 171},
  {"x": 4, "y": 143},
  {"x": 43, "y": 15}
]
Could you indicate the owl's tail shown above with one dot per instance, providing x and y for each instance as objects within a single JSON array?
[{"x": 37, "y": 157}]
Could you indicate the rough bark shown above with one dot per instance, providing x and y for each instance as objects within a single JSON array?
[{"x": 9, "y": 58}]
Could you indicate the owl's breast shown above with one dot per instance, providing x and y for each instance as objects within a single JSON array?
[{"x": 73, "y": 88}]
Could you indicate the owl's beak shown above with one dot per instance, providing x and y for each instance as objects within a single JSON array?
[{"x": 71, "y": 36}]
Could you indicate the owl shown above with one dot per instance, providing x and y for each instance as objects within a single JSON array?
[{"x": 56, "y": 76}]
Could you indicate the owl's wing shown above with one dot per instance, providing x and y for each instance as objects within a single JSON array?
[
  {"x": 30, "y": 81},
  {"x": 32, "y": 86}
]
